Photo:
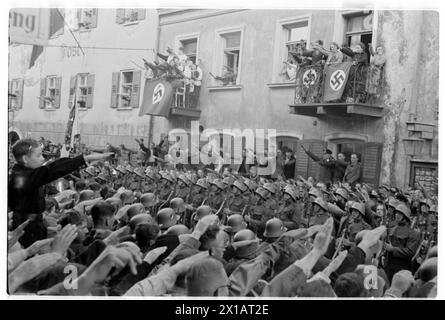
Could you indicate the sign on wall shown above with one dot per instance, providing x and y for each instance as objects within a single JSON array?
[{"x": 29, "y": 26}]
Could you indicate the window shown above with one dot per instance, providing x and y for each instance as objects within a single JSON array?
[
  {"x": 359, "y": 29},
  {"x": 190, "y": 48},
  {"x": 84, "y": 93},
  {"x": 81, "y": 19},
  {"x": 16, "y": 94},
  {"x": 228, "y": 60},
  {"x": 125, "y": 90},
  {"x": 129, "y": 16},
  {"x": 292, "y": 34},
  {"x": 50, "y": 92}
]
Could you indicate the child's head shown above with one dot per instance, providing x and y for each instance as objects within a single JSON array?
[{"x": 28, "y": 152}]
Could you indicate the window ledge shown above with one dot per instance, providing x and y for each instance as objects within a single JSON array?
[
  {"x": 131, "y": 23},
  {"x": 125, "y": 109},
  {"x": 50, "y": 109},
  {"x": 279, "y": 85},
  {"x": 225, "y": 88}
]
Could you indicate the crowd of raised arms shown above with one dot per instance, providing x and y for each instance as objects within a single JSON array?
[{"x": 93, "y": 225}]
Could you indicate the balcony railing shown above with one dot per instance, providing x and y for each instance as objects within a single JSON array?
[
  {"x": 364, "y": 85},
  {"x": 185, "y": 103},
  {"x": 362, "y": 93}
]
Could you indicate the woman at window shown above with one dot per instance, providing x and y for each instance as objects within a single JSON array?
[{"x": 375, "y": 76}]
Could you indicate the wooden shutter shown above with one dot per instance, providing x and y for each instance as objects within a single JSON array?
[
  {"x": 136, "y": 89},
  {"x": 93, "y": 19},
  {"x": 90, "y": 91},
  {"x": 42, "y": 93},
  {"x": 141, "y": 14},
  {"x": 20, "y": 94},
  {"x": 371, "y": 162},
  {"x": 317, "y": 147},
  {"x": 57, "y": 91},
  {"x": 115, "y": 89},
  {"x": 304, "y": 165},
  {"x": 120, "y": 16},
  {"x": 72, "y": 88}
]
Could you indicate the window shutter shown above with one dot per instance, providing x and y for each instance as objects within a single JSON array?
[
  {"x": 20, "y": 94},
  {"x": 72, "y": 88},
  {"x": 115, "y": 89},
  {"x": 301, "y": 159},
  {"x": 42, "y": 93},
  {"x": 135, "y": 92},
  {"x": 57, "y": 91},
  {"x": 90, "y": 91},
  {"x": 141, "y": 14},
  {"x": 305, "y": 166},
  {"x": 371, "y": 162},
  {"x": 120, "y": 16},
  {"x": 93, "y": 18}
]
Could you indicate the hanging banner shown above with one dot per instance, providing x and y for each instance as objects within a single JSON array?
[
  {"x": 29, "y": 26},
  {"x": 336, "y": 78},
  {"x": 158, "y": 95}
]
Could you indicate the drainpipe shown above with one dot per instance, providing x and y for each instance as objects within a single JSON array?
[{"x": 151, "y": 123}]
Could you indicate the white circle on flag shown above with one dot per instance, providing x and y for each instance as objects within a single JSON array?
[
  {"x": 158, "y": 93},
  {"x": 337, "y": 80},
  {"x": 309, "y": 77}
]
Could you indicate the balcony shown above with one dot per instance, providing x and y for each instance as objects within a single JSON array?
[
  {"x": 361, "y": 96},
  {"x": 185, "y": 104}
]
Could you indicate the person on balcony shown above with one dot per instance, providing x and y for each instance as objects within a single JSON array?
[
  {"x": 289, "y": 70},
  {"x": 197, "y": 81},
  {"x": 334, "y": 54},
  {"x": 160, "y": 68},
  {"x": 189, "y": 87},
  {"x": 316, "y": 57},
  {"x": 378, "y": 60},
  {"x": 356, "y": 87},
  {"x": 358, "y": 54},
  {"x": 228, "y": 77}
]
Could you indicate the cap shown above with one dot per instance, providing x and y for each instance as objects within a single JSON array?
[
  {"x": 342, "y": 193},
  {"x": 201, "y": 212},
  {"x": 177, "y": 230},
  {"x": 261, "y": 192},
  {"x": 274, "y": 228},
  {"x": 269, "y": 187},
  {"x": 219, "y": 184},
  {"x": 404, "y": 210},
  {"x": 359, "y": 207},
  {"x": 240, "y": 186},
  {"x": 202, "y": 183},
  {"x": 166, "y": 218},
  {"x": 149, "y": 199},
  {"x": 236, "y": 223},
  {"x": 177, "y": 204}
]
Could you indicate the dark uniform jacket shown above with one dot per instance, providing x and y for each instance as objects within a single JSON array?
[
  {"x": 290, "y": 214},
  {"x": 326, "y": 167},
  {"x": 405, "y": 242},
  {"x": 25, "y": 189}
]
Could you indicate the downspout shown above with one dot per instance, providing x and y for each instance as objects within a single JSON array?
[{"x": 151, "y": 123}]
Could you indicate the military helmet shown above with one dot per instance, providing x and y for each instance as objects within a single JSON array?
[
  {"x": 321, "y": 203},
  {"x": 236, "y": 223},
  {"x": 219, "y": 184},
  {"x": 141, "y": 218},
  {"x": 270, "y": 187},
  {"x": 139, "y": 172},
  {"x": 425, "y": 202},
  {"x": 129, "y": 168},
  {"x": 342, "y": 193},
  {"x": 177, "y": 204},
  {"x": 291, "y": 192},
  {"x": 240, "y": 186},
  {"x": 403, "y": 209},
  {"x": 261, "y": 192},
  {"x": 228, "y": 181},
  {"x": 166, "y": 218},
  {"x": 359, "y": 207},
  {"x": 149, "y": 199},
  {"x": 177, "y": 230},
  {"x": 202, "y": 211},
  {"x": 274, "y": 228},
  {"x": 91, "y": 171},
  {"x": 183, "y": 178},
  {"x": 433, "y": 208},
  {"x": 393, "y": 203},
  {"x": 121, "y": 169},
  {"x": 168, "y": 177},
  {"x": 314, "y": 192},
  {"x": 244, "y": 235},
  {"x": 202, "y": 183},
  {"x": 102, "y": 177}
]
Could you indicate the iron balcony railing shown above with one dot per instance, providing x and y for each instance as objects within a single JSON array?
[{"x": 365, "y": 85}]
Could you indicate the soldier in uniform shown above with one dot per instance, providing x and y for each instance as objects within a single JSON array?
[
  {"x": 355, "y": 223},
  {"x": 238, "y": 201},
  {"x": 260, "y": 213},
  {"x": 216, "y": 194},
  {"x": 167, "y": 187},
  {"x": 390, "y": 215},
  {"x": 320, "y": 212},
  {"x": 199, "y": 193},
  {"x": 183, "y": 188},
  {"x": 288, "y": 212},
  {"x": 403, "y": 242}
]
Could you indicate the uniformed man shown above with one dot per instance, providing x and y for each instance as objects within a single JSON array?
[
  {"x": 289, "y": 212},
  {"x": 356, "y": 223},
  {"x": 183, "y": 187},
  {"x": 216, "y": 194},
  {"x": 167, "y": 187},
  {"x": 149, "y": 201},
  {"x": 403, "y": 242},
  {"x": 260, "y": 213},
  {"x": 238, "y": 201}
]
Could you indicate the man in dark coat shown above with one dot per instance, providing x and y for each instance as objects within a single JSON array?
[
  {"x": 28, "y": 177},
  {"x": 327, "y": 164}
]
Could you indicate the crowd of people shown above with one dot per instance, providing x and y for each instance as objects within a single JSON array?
[
  {"x": 150, "y": 230},
  {"x": 300, "y": 58},
  {"x": 184, "y": 73}
]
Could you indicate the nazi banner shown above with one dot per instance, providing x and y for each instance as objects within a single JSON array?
[
  {"x": 336, "y": 78},
  {"x": 157, "y": 99}
]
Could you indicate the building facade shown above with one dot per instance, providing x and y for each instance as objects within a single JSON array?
[{"x": 254, "y": 44}]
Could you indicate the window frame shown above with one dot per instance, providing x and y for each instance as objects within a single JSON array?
[
  {"x": 119, "y": 93},
  {"x": 80, "y": 86},
  {"x": 128, "y": 22},
  {"x": 281, "y": 41},
  {"x": 220, "y": 52},
  {"x": 48, "y": 88},
  {"x": 185, "y": 37}
]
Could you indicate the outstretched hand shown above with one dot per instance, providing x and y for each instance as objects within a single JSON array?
[
  {"x": 15, "y": 235},
  {"x": 323, "y": 237},
  {"x": 63, "y": 239}
]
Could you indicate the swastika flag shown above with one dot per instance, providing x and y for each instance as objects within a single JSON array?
[
  {"x": 336, "y": 78},
  {"x": 157, "y": 99}
]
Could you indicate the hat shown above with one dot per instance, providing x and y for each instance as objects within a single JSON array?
[
  {"x": 121, "y": 169},
  {"x": 433, "y": 208},
  {"x": 393, "y": 203},
  {"x": 177, "y": 230},
  {"x": 342, "y": 193},
  {"x": 149, "y": 199},
  {"x": 167, "y": 177},
  {"x": 262, "y": 193},
  {"x": 291, "y": 192},
  {"x": 219, "y": 184},
  {"x": 184, "y": 179},
  {"x": 314, "y": 192},
  {"x": 202, "y": 183},
  {"x": 328, "y": 151},
  {"x": 321, "y": 203},
  {"x": 166, "y": 218},
  {"x": 177, "y": 204},
  {"x": 358, "y": 207},
  {"x": 102, "y": 177},
  {"x": 141, "y": 218},
  {"x": 202, "y": 211},
  {"x": 240, "y": 186},
  {"x": 129, "y": 168},
  {"x": 403, "y": 209},
  {"x": 269, "y": 187},
  {"x": 236, "y": 223},
  {"x": 91, "y": 171},
  {"x": 139, "y": 172},
  {"x": 274, "y": 228}
]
